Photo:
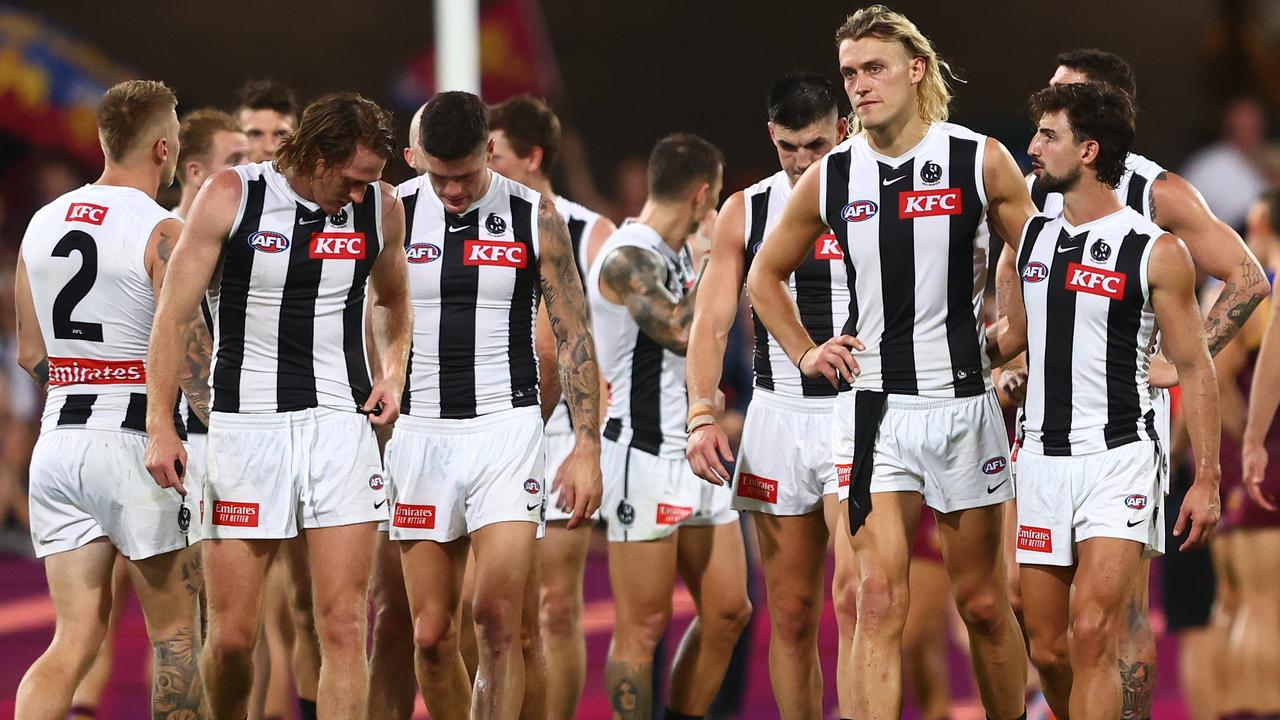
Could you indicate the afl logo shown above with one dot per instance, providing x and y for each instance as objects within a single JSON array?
[
  {"x": 1135, "y": 502},
  {"x": 422, "y": 252},
  {"x": 376, "y": 482},
  {"x": 859, "y": 210},
  {"x": 268, "y": 242},
  {"x": 1035, "y": 272},
  {"x": 532, "y": 486},
  {"x": 994, "y": 465}
]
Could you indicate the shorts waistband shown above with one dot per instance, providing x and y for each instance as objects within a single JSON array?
[
  {"x": 916, "y": 402},
  {"x": 468, "y": 425},
  {"x": 273, "y": 419},
  {"x": 794, "y": 403}
]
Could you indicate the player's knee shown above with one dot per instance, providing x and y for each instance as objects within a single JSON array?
[
  {"x": 844, "y": 598},
  {"x": 561, "y": 612},
  {"x": 231, "y": 642},
  {"x": 729, "y": 619},
  {"x": 793, "y": 620},
  {"x": 435, "y": 636},
  {"x": 1050, "y": 655},
  {"x": 882, "y": 603},
  {"x": 340, "y": 627},
  {"x": 983, "y": 609},
  {"x": 643, "y": 629},
  {"x": 1093, "y": 633},
  {"x": 496, "y": 623}
]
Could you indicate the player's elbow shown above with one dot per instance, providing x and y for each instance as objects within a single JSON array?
[
  {"x": 29, "y": 356},
  {"x": 759, "y": 279}
]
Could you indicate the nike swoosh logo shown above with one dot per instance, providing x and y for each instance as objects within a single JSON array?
[
  {"x": 891, "y": 181},
  {"x": 312, "y": 220},
  {"x": 1073, "y": 248},
  {"x": 1132, "y": 523},
  {"x": 533, "y": 507},
  {"x": 378, "y": 505},
  {"x": 458, "y": 229},
  {"x": 997, "y": 487}
]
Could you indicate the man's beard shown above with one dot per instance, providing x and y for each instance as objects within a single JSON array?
[{"x": 1055, "y": 183}]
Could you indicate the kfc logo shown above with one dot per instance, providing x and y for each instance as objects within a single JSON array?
[
  {"x": 337, "y": 246},
  {"x": 672, "y": 514},
  {"x": 420, "y": 253},
  {"x": 86, "y": 213},
  {"x": 859, "y": 210},
  {"x": 1035, "y": 272},
  {"x": 929, "y": 203},
  {"x": 422, "y": 517},
  {"x": 994, "y": 465},
  {"x": 1035, "y": 539},
  {"x": 494, "y": 252},
  {"x": 268, "y": 242},
  {"x": 844, "y": 474},
  {"x": 758, "y": 488},
  {"x": 1095, "y": 281},
  {"x": 827, "y": 248},
  {"x": 235, "y": 514}
]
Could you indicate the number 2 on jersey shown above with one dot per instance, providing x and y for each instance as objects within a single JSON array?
[{"x": 64, "y": 328}]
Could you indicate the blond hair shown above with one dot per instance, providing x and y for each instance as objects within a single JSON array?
[
  {"x": 878, "y": 21},
  {"x": 127, "y": 110}
]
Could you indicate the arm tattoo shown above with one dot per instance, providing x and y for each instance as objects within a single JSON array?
[
  {"x": 567, "y": 311},
  {"x": 638, "y": 277},
  {"x": 1234, "y": 306},
  {"x": 199, "y": 354},
  {"x": 630, "y": 690},
  {"x": 177, "y": 693},
  {"x": 1151, "y": 193}
]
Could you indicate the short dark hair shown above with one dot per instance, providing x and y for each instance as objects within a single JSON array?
[
  {"x": 268, "y": 94},
  {"x": 800, "y": 99},
  {"x": 679, "y": 161},
  {"x": 1101, "y": 66},
  {"x": 528, "y": 123},
  {"x": 454, "y": 125},
  {"x": 126, "y": 110},
  {"x": 197, "y": 132},
  {"x": 1095, "y": 111},
  {"x": 331, "y": 129}
]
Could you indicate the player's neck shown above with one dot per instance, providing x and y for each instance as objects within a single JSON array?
[
  {"x": 189, "y": 192},
  {"x": 898, "y": 136},
  {"x": 1088, "y": 201},
  {"x": 146, "y": 179},
  {"x": 671, "y": 222},
  {"x": 542, "y": 185}
]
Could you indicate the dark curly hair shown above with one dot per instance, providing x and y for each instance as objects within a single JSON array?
[
  {"x": 1095, "y": 111},
  {"x": 332, "y": 128},
  {"x": 1101, "y": 66}
]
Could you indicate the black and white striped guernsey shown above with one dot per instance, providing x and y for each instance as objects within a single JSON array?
[
  {"x": 913, "y": 230},
  {"x": 85, "y": 258},
  {"x": 290, "y": 323},
  {"x": 819, "y": 286},
  {"x": 1134, "y": 190},
  {"x": 647, "y": 399},
  {"x": 475, "y": 283},
  {"x": 1090, "y": 333},
  {"x": 581, "y": 222}
]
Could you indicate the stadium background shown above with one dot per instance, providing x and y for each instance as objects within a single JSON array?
[{"x": 621, "y": 75}]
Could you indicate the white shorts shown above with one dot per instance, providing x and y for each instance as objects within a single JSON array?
[
  {"x": 449, "y": 478},
  {"x": 784, "y": 464},
  {"x": 1162, "y": 403},
  {"x": 267, "y": 475},
  {"x": 87, "y": 484},
  {"x": 557, "y": 447},
  {"x": 193, "y": 480},
  {"x": 1066, "y": 500},
  {"x": 953, "y": 451},
  {"x": 647, "y": 497}
]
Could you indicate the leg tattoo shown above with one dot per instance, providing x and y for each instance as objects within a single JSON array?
[{"x": 630, "y": 691}]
